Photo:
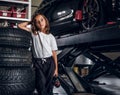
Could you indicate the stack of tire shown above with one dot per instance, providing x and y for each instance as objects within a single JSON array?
[{"x": 17, "y": 76}]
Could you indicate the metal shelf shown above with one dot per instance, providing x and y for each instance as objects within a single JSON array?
[
  {"x": 15, "y": 1},
  {"x": 18, "y": 3},
  {"x": 14, "y": 19}
]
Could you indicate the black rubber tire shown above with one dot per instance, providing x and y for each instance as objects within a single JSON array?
[
  {"x": 93, "y": 15},
  {"x": 17, "y": 81},
  {"x": 14, "y": 37},
  {"x": 15, "y": 57}
]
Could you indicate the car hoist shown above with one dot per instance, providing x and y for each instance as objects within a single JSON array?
[{"x": 91, "y": 44}]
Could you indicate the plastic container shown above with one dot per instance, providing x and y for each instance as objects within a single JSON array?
[
  {"x": 19, "y": 12},
  {"x": 5, "y": 13}
]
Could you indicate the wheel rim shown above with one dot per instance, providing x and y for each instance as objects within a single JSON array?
[{"x": 90, "y": 13}]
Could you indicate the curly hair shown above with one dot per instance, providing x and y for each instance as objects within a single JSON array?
[{"x": 35, "y": 28}]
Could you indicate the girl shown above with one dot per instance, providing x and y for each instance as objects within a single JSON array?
[{"x": 44, "y": 53}]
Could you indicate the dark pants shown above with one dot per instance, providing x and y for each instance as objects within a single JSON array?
[{"x": 44, "y": 76}]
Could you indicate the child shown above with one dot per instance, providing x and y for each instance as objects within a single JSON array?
[{"x": 44, "y": 53}]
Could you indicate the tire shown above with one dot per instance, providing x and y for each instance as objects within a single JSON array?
[
  {"x": 93, "y": 14},
  {"x": 17, "y": 81},
  {"x": 15, "y": 57},
  {"x": 14, "y": 37}
]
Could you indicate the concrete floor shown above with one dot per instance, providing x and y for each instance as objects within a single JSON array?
[
  {"x": 59, "y": 91},
  {"x": 109, "y": 85}
]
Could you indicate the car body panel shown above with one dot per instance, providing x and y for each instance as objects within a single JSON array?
[{"x": 61, "y": 14}]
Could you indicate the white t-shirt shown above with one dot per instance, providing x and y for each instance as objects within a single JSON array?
[{"x": 48, "y": 44}]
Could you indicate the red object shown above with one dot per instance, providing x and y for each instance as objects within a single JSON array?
[
  {"x": 56, "y": 82},
  {"x": 111, "y": 22},
  {"x": 78, "y": 15},
  {"x": 19, "y": 14},
  {"x": 5, "y": 13}
]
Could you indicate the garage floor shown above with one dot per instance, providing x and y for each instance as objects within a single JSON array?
[{"x": 109, "y": 85}]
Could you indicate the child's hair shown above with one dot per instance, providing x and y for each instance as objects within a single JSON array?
[{"x": 35, "y": 28}]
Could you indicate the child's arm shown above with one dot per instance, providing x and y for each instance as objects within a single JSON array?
[
  {"x": 24, "y": 25},
  {"x": 56, "y": 63}
]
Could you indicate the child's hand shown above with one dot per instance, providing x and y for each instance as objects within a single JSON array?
[{"x": 56, "y": 73}]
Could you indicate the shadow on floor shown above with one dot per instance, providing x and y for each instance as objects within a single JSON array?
[{"x": 109, "y": 85}]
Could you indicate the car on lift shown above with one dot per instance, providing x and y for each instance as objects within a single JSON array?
[{"x": 77, "y": 16}]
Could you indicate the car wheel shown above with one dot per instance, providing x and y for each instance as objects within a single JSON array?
[
  {"x": 17, "y": 81},
  {"x": 15, "y": 57},
  {"x": 93, "y": 14},
  {"x": 14, "y": 37}
]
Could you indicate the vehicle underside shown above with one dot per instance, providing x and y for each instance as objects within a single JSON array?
[{"x": 77, "y": 16}]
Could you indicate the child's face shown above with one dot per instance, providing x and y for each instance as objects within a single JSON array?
[{"x": 40, "y": 22}]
